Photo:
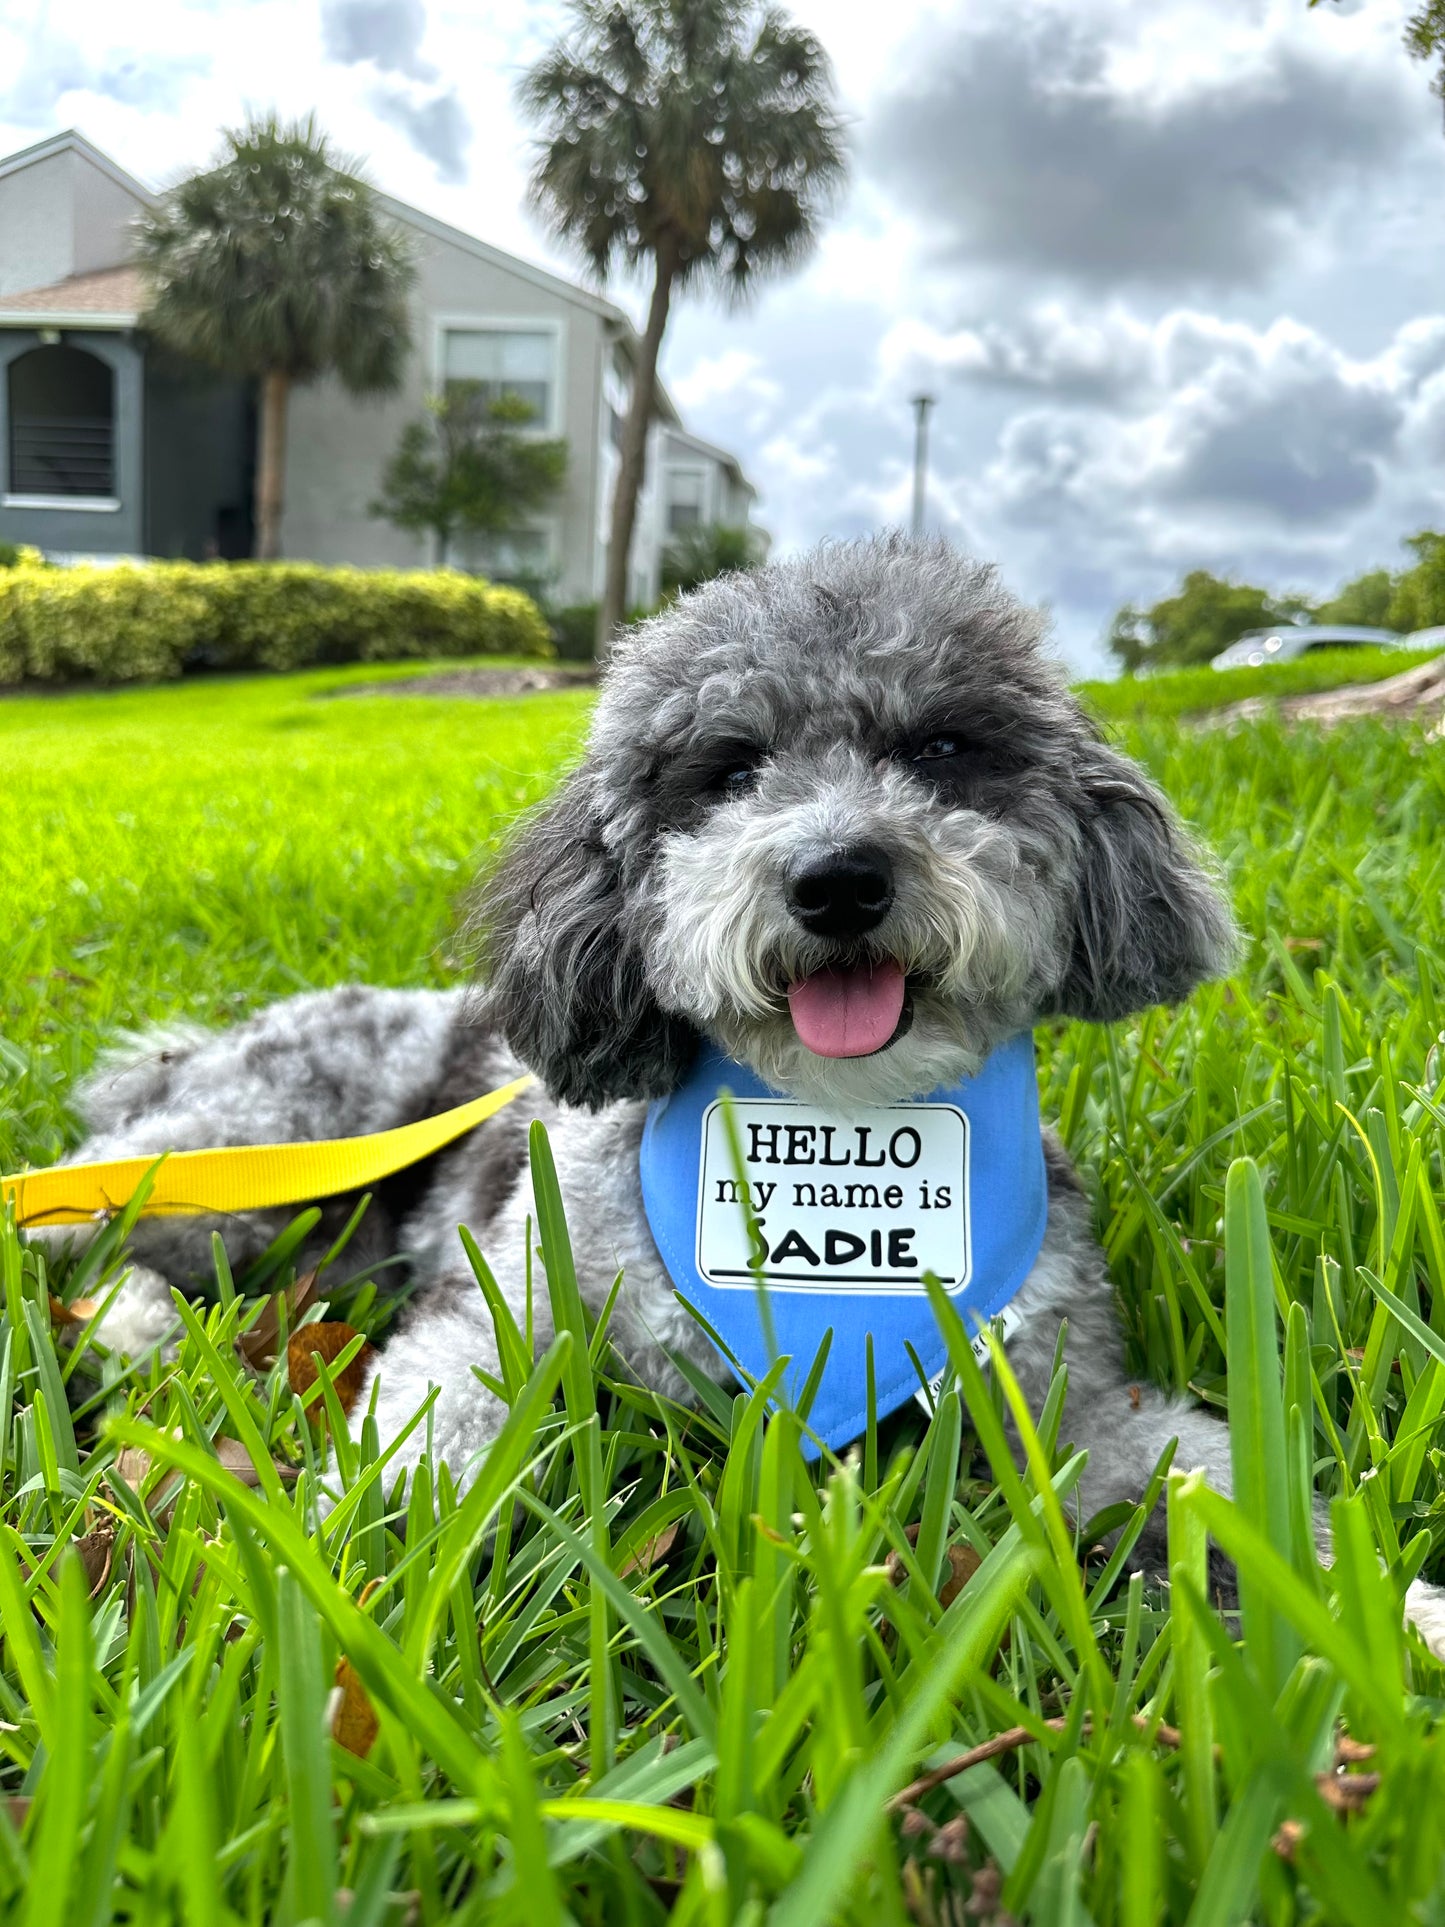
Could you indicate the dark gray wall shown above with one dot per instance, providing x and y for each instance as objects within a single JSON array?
[
  {"x": 113, "y": 531},
  {"x": 200, "y": 433}
]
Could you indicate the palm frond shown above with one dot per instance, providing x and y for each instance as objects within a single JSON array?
[
  {"x": 278, "y": 258},
  {"x": 705, "y": 129}
]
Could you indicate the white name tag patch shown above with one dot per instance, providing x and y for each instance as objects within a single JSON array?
[{"x": 868, "y": 1204}]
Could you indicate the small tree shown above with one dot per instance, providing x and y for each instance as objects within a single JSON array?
[
  {"x": 695, "y": 139},
  {"x": 469, "y": 468},
  {"x": 278, "y": 264},
  {"x": 698, "y": 554}
]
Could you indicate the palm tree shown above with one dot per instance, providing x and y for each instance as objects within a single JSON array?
[
  {"x": 277, "y": 263},
  {"x": 697, "y": 138}
]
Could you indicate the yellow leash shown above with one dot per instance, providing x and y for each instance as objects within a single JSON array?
[{"x": 246, "y": 1177}]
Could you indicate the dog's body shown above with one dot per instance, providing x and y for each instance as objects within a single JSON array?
[
  {"x": 275, "y": 1078},
  {"x": 841, "y": 819}
]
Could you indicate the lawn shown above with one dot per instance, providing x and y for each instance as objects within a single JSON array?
[
  {"x": 1185, "y": 692},
  {"x": 654, "y": 1667}
]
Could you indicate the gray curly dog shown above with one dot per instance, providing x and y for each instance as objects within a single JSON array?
[{"x": 861, "y": 756}]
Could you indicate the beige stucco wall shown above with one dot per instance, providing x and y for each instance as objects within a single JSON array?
[
  {"x": 61, "y": 215},
  {"x": 37, "y": 224},
  {"x": 339, "y": 446},
  {"x": 104, "y": 216}
]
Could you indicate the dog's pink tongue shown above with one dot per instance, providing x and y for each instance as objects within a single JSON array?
[{"x": 848, "y": 1013}]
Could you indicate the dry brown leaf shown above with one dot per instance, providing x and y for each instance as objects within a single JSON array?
[
  {"x": 134, "y": 1466},
  {"x": 234, "y": 1456},
  {"x": 354, "y": 1724},
  {"x": 1287, "y": 1838},
  {"x": 17, "y": 1809},
  {"x": 329, "y": 1339},
  {"x": 96, "y": 1550},
  {"x": 650, "y": 1552},
  {"x": 963, "y": 1563},
  {"x": 259, "y": 1345},
  {"x": 78, "y": 1312}
]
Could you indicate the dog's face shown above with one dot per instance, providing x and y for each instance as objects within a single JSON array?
[{"x": 842, "y": 817}]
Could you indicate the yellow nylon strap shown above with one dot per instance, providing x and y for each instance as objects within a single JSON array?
[{"x": 244, "y": 1177}]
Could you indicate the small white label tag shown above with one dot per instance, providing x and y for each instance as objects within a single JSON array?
[
  {"x": 1004, "y": 1323},
  {"x": 866, "y": 1205}
]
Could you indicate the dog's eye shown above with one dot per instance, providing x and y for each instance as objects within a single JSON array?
[
  {"x": 939, "y": 749},
  {"x": 961, "y": 764},
  {"x": 948, "y": 746},
  {"x": 733, "y": 770}
]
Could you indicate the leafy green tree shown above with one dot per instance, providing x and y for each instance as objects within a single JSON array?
[
  {"x": 1425, "y": 39},
  {"x": 698, "y": 554},
  {"x": 278, "y": 264},
  {"x": 469, "y": 468},
  {"x": 1419, "y": 598},
  {"x": 1368, "y": 600},
  {"x": 1203, "y": 616},
  {"x": 695, "y": 140}
]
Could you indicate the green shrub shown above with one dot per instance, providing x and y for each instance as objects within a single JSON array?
[
  {"x": 141, "y": 624},
  {"x": 574, "y": 628},
  {"x": 95, "y": 625},
  {"x": 574, "y": 631},
  {"x": 696, "y": 555}
]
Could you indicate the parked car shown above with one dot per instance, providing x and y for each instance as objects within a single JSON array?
[{"x": 1293, "y": 640}]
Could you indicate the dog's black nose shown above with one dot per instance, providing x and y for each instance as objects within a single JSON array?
[{"x": 843, "y": 893}]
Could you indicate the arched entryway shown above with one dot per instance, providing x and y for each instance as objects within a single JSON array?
[{"x": 61, "y": 407}]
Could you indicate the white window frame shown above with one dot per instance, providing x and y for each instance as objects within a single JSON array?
[
  {"x": 507, "y": 324},
  {"x": 86, "y": 504},
  {"x": 700, "y": 471}
]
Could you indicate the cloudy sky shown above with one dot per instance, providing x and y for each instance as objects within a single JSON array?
[{"x": 1173, "y": 268}]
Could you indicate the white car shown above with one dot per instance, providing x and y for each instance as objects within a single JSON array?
[{"x": 1292, "y": 640}]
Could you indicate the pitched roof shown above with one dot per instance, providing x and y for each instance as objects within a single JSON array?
[
  {"x": 723, "y": 456},
  {"x": 112, "y": 294},
  {"x": 73, "y": 141}
]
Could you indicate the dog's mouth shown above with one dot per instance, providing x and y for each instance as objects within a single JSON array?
[{"x": 852, "y": 1011}]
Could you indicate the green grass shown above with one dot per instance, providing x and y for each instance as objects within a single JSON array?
[
  {"x": 197, "y": 849},
  {"x": 654, "y": 1666},
  {"x": 1184, "y": 692}
]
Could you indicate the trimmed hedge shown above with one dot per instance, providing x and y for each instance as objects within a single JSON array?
[
  {"x": 574, "y": 628},
  {"x": 147, "y": 622}
]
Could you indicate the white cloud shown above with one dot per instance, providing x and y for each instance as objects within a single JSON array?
[{"x": 734, "y": 376}]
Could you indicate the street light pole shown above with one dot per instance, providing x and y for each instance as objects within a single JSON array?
[{"x": 921, "y": 406}]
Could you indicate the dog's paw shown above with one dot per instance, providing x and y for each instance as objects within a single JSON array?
[
  {"x": 1425, "y": 1611},
  {"x": 142, "y": 1318},
  {"x": 464, "y": 1421}
]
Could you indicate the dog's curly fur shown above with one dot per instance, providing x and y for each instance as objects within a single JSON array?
[{"x": 763, "y": 720}]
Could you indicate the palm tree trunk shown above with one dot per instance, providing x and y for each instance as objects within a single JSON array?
[
  {"x": 271, "y": 465},
  {"x": 631, "y": 473}
]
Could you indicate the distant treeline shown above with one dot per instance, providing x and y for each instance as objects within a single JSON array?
[{"x": 1208, "y": 612}]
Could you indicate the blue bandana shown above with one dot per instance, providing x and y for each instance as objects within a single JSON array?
[{"x": 849, "y": 1212}]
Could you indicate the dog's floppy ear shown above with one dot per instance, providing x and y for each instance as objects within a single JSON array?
[
  {"x": 1149, "y": 921},
  {"x": 567, "y": 987}
]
